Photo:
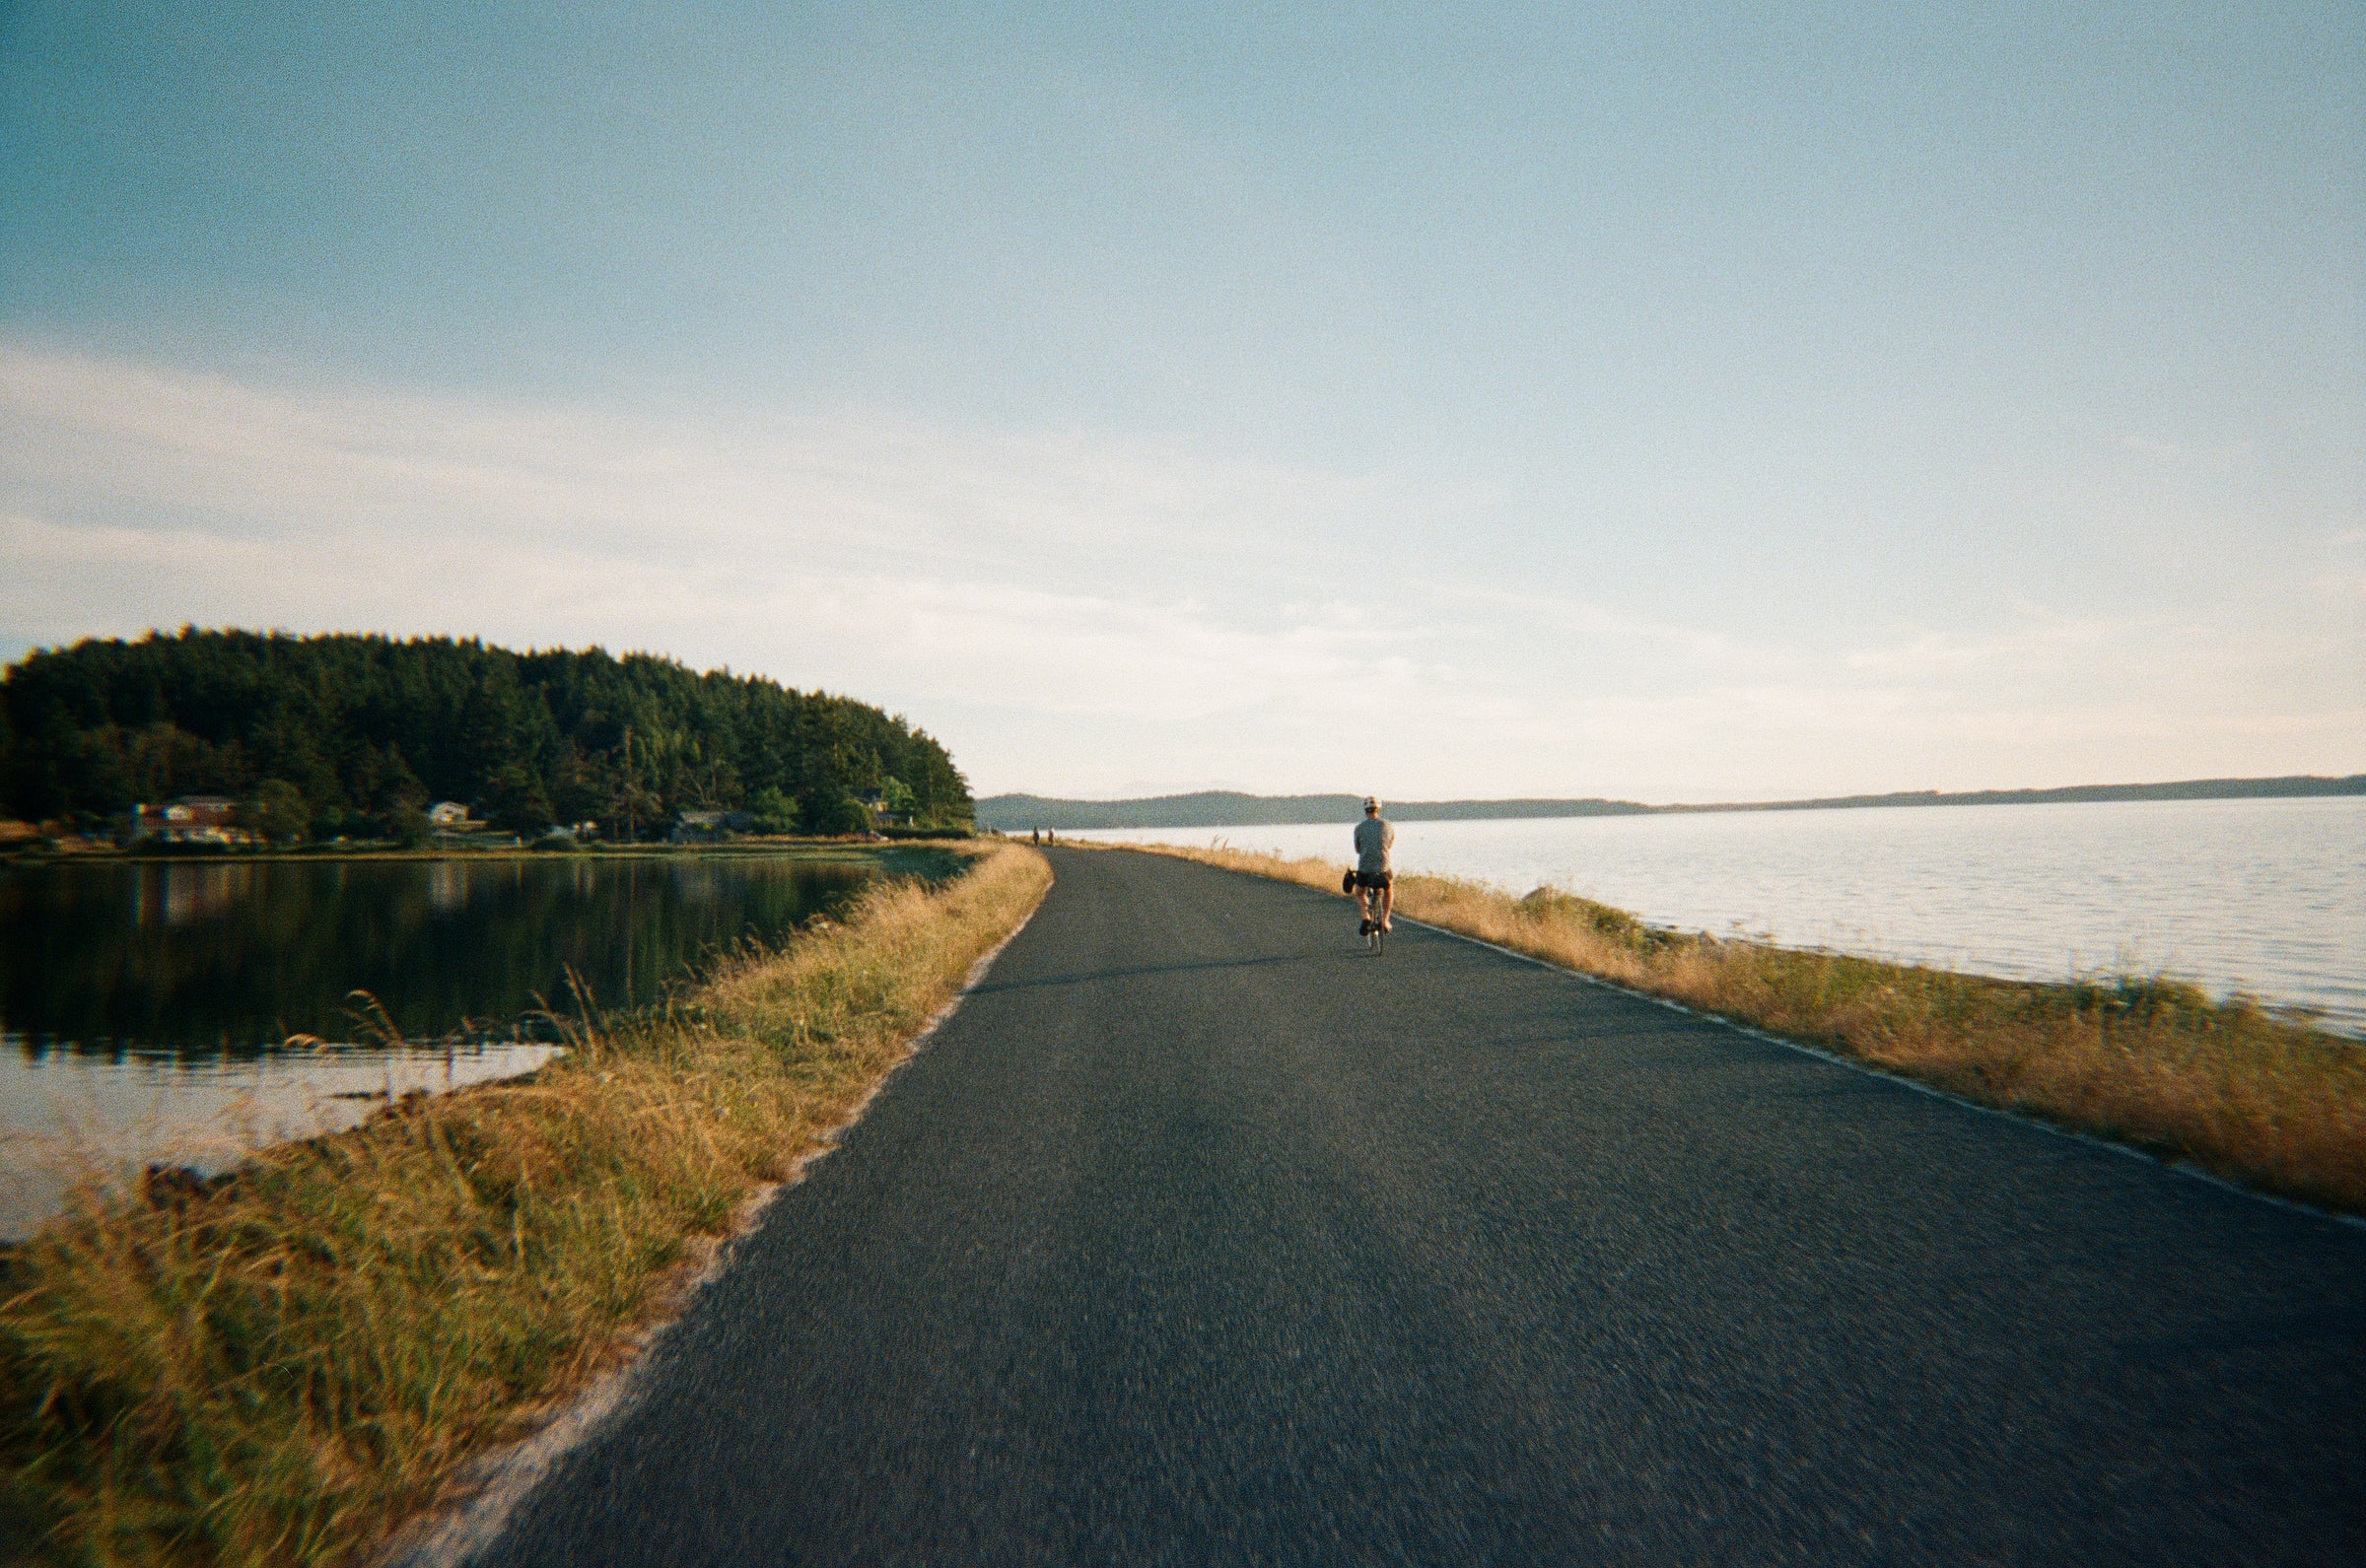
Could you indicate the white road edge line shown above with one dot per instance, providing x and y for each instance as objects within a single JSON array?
[
  {"x": 2179, "y": 1166},
  {"x": 498, "y": 1481}
]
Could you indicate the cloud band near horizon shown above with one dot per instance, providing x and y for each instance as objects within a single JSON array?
[{"x": 1079, "y": 615}]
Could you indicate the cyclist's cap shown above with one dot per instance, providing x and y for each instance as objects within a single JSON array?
[{"x": 1371, "y": 803}]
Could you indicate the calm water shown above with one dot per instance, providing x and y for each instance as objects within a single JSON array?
[
  {"x": 144, "y": 1008},
  {"x": 2265, "y": 896},
  {"x": 67, "y": 1112}
]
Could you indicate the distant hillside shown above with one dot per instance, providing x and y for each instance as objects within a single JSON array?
[
  {"x": 2188, "y": 789},
  {"x": 1224, "y": 808}
]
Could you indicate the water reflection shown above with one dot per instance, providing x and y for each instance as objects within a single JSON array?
[
  {"x": 144, "y": 1007},
  {"x": 68, "y": 1116},
  {"x": 207, "y": 959}
]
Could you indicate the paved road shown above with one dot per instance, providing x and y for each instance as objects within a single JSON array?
[{"x": 1198, "y": 1237}]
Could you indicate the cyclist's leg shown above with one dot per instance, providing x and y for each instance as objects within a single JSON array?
[{"x": 1388, "y": 901}]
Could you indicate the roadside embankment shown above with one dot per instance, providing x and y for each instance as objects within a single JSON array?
[
  {"x": 282, "y": 1365},
  {"x": 2151, "y": 1062}
]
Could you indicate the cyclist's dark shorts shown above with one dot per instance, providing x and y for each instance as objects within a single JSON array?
[{"x": 1374, "y": 878}]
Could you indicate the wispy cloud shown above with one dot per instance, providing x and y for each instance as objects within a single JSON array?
[
  {"x": 1070, "y": 612},
  {"x": 92, "y": 434},
  {"x": 1049, "y": 570}
]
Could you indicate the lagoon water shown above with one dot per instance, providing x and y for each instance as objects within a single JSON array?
[
  {"x": 70, "y": 1112},
  {"x": 2263, "y": 896},
  {"x": 145, "y": 1008}
]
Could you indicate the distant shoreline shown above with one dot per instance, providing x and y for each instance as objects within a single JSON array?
[{"x": 1219, "y": 808}]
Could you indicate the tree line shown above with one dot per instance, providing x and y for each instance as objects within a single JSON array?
[{"x": 356, "y": 736}]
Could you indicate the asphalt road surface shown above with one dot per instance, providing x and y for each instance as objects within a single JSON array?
[{"x": 1199, "y": 1236}]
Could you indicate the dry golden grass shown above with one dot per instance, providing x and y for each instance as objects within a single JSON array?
[
  {"x": 2143, "y": 1060},
  {"x": 281, "y": 1366}
]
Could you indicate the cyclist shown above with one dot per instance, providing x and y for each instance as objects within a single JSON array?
[{"x": 1374, "y": 873}]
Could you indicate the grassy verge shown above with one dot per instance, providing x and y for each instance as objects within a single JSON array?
[
  {"x": 281, "y": 1366},
  {"x": 2141, "y": 1061}
]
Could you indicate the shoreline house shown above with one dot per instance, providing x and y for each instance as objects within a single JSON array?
[
  {"x": 875, "y": 801},
  {"x": 190, "y": 819},
  {"x": 449, "y": 821},
  {"x": 705, "y": 827}
]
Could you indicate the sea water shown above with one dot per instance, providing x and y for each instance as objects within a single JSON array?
[{"x": 2267, "y": 896}]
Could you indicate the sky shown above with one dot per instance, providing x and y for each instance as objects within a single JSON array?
[{"x": 1691, "y": 403}]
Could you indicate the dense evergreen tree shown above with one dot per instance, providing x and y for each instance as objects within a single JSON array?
[{"x": 365, "y": 730}]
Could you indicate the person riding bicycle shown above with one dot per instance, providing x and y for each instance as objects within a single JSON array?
[{"x": 1374, "y": 870}]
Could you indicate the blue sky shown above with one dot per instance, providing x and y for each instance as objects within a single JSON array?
[{"x": 1708, "y": 402}]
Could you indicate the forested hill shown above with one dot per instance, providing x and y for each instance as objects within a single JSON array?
[{"x": 365, "y": 730}]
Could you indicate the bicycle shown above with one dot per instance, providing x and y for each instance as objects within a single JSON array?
[{"x": 1367, "y": 900}]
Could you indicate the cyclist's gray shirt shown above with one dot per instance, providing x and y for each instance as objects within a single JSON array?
[{"x": 1373, "y": 840}]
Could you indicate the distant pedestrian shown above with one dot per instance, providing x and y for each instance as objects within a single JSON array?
[{"x": 1035, "y": 835}]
